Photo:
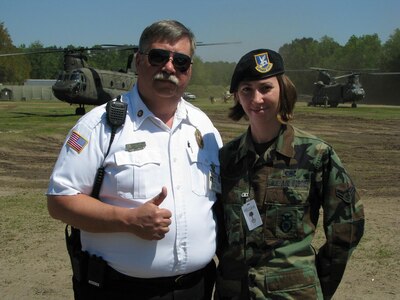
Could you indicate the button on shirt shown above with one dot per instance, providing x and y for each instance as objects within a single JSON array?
[{"x": 145, "y": 156}]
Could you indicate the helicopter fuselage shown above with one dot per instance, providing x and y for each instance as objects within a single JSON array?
[
  {"x": 332, "y": 93},
  {"x": 91, "y": 86}
]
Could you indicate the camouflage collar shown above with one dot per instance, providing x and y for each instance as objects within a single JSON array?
[
  {"x": 285, "y": 141},
  {"x": 282, "y": 145},
  {"x": 245, "y": 145}
]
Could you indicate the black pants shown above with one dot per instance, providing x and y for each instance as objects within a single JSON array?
[{"x": 115, "y": 288}]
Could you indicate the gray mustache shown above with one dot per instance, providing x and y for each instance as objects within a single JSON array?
[{"x": 166, "y": 76}]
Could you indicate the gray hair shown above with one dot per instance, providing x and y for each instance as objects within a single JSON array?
[{"x": 166, "y": 30}]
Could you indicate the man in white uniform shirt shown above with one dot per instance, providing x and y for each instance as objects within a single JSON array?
[{"x": 153, "y": 227}]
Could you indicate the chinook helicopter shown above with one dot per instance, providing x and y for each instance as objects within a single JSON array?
[
  {"x": 329, "y": 92},
  {"x": 80, "y": 84}
]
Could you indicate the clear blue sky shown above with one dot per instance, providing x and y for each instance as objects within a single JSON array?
[{"x": 256, "y": 23}]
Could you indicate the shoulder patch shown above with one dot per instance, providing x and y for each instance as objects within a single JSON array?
[
  {"x": 346, "y": 195},
  {"x": 81, "y": 132},
  {"x": 77, "y": 142}
]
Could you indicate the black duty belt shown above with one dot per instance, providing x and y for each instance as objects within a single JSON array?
[{"x": 184, "y": 280}]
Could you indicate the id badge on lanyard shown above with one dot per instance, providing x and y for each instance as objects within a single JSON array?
[{"x": 251, "y": 213}]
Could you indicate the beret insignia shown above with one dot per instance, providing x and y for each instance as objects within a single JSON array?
[{"x": 263, "y": 64}]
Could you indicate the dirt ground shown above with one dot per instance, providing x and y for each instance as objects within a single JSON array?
[{"x": 34, "y": 261}]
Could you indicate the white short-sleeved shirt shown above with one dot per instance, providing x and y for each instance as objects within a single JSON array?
[{"x": 145, "y": 156}]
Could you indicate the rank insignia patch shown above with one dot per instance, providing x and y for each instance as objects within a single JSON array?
[
  {"x": 77, "y": 142},
  {"x": 346, "y": 195}
]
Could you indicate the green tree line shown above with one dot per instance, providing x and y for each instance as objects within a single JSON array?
[
  {"x": 366, "y": 52},
  {"x": 16, "y": 69}
]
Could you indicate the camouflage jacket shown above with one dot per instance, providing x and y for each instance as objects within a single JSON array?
[{"x": 297, "y": 176}]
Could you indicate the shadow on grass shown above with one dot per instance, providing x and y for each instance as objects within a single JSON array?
[{"x": 28, "y": 114}]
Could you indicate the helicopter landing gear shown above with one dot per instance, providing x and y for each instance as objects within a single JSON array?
[
  {"x": 334, "y": 104},
  {"x": 80, "y": 111},
  {"x": 326, "y": 101}
]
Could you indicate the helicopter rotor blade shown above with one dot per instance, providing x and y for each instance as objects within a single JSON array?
[
  {"x": 216, "y": 44},
  {"x": 102, "y": 47},
  {"x": 33, "y": 52},
  {"x": 119, "y": 47},
  {"x": 298, "y": 70},
  {"x": 323, "y": 69},
  {"x": 123, "y": 47},
  {"x": 345, "y": 75},
  {"x": 384, "y": 73},
  {"x": 62, "y": 50}
]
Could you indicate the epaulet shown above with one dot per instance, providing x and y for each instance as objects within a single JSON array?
[
  {"x": 301, "y": 134},
  {"x": 196, "y": 115},
  {"x": 89, "y": 121}
]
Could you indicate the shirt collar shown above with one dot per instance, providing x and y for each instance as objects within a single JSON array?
[
  {"x": 284, "y": 143},
  {"x": 140, "y": 111}
]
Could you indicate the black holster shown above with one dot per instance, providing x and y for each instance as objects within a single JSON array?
[
  {"x": 85, "y": 267},
  {"x": 79, "y": 258}
]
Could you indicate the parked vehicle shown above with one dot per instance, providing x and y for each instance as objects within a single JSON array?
[{"x": 189, "y": 96}]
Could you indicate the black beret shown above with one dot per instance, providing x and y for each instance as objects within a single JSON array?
[{"x": 255, "y": 65}]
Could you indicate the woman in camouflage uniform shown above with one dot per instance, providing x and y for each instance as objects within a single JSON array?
[{"x": 275, "y": 180}]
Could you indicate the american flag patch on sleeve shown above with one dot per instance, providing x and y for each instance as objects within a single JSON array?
[{"x": 77, "y": 142}]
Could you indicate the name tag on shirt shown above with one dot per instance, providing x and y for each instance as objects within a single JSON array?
[
  {"x": 251, "y": 215},
  {"x": 135, "y": 146}
]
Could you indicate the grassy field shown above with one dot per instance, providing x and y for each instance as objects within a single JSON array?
[{"x": 33, "y": 258}]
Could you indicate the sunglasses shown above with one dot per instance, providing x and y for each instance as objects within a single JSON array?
[{"x": 159, "y": 57}]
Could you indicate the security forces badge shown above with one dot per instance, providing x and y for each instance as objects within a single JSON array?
[{"x": 263, "y": 64}]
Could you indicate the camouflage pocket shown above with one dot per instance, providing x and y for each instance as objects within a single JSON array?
[
  {"x": 233, "y": 222},
  {"x": 287, "y": 195},
  {"x": 284, "y": 222},
  {"x": 292, "y": 284},
  {"x": 233, "y": 200}
]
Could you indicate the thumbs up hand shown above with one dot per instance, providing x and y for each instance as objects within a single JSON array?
[
  {"x": 157, "y": 200},
  {"x": 150, "y": 221}
]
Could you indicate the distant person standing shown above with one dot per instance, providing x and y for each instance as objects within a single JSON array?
[
  {"x": 151, "y": 233},
  {"x": 275, "y": 179}
]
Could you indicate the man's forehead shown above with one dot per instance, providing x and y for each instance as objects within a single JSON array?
[{"x": 181, "y": 45}]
